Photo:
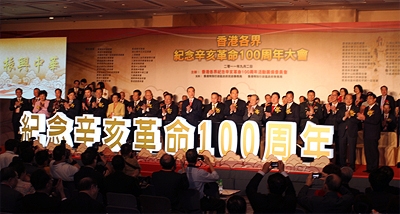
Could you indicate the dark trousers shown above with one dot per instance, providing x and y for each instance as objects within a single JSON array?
[
  {"x": 211, "y": 204},
  {"x": 371, "y": 153},
  {"x": 351, "y": 142},
  {"x": 16, "y": 125}
]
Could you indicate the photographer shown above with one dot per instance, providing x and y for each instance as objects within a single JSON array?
[
  {"x": 60, "y": 168},
  {"x": 199, "y": 177},
  {"x": 132, "y": 167},
  {"x": 281, "y": 197}
]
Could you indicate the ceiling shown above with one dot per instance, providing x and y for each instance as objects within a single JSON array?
[{"x": 12, "y": 11}]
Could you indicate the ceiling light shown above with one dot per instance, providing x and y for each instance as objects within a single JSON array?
[
  {"x": 65, "y": 7},
  {"x": 123, "y": 4},
  {"x": 51, "y": 17}
]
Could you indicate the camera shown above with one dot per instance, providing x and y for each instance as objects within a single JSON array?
[
  {"x": 67, "y": 151},
  {"x": 200, "y": 157},
  {"x": 316, "y": 175},
  {"x": 274, "y": 164}
]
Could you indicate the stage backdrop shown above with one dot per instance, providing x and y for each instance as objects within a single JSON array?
[{"x": 256, "y": 59}]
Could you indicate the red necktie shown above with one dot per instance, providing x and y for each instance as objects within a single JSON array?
[
  {"x": 272, "y": 109},
  {"x": 87, "y": 101},
  {"x": 190, "y": 103}
]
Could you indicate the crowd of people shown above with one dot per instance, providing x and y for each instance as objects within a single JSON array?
[
  {"x": 348, "y": 113},
  {"x": 35, "y": 181}
]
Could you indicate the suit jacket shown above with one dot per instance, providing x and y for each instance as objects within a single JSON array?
[
  {"x": 218, "y": 116},
  {"x": 82, "y": 203},
  {"x": 257, "y": 116},
  {"x": 137, "y": 111},
  {"x": 9, "y": 199},
  {"x": 293, "y": 113},
  {"x": 119, "y": 182},
  {"x": 329, "y": 203},
  {"x": 56, "y": 106},
  {"x": 277, "y": 115},
  {"x": 350, "y": 123},
  {"x": 389, "y": 124},
  {"x": 126, "y": 103},
  {"x": 39, "y": 202},
  {"x": 237, "y": 116},
  {"x": 152, "y": 111},
  {"x": 79, "y": 95},
  {"x": 119, "y": 110},
  {"x": 74, "y": 111},
  {"x": 170, "y": 184},
  {"x": 88, "y": 104},
  {"x": 372, "y": 122},
  {"x": 304, "y": 107},
  {"x": 195, "y": 115},
  {"x": 172, "y": 112},
  {"x": 32, "y": 102},
  {"x": 271, "y": 203},
  {"x": 101, "y": 108},
  {"x": 389, "y": 99},
  {"x": 331, "y": 117},
  {"x": 25, "y": 106}
]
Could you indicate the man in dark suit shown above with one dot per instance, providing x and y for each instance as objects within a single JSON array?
[
  {"x": 168, "y": 183},
  {"x": 330, "y": 201},
  {"x": 85, "y": 201},
  {"x": 35, "y": 98},
  {"x": 347, "y": 131},
  {"x": 57, "y": 104},
  {"x": 100, "y": 105},
  {"x": 214, "y": 112},
  {"x": 331, "y": 118},
  {"x": 41, "y": 201},
  {"x": 134, "y": 106},
  {"x": 87, "y": 107},
  {"x": 292, "y": 109},
  {"x": 386, "y": 99},
  {"x": 310, "y": 111},
  {"x": 255, "y": 113},
  {"x": 192, "y": 111},
  {"x": 267, "y": 98},
  {"x": 168, "y": 113},
  {"x": 125, "y": 102},
  {"x": 281, "y": 196},
  {"x": 388, "y": 119},
  {"x": 78, "y": 91},
  {"x": 18, "y": 105},
  {"x": 372, "y": 132},
  {"x": 119, "y": 182},
  {"x": 149, "y": 106},
  {"x": 9, "y": 196},
  {"x": 72, "y": 108},
  {"x": 275, "y": 111},
  {"x": 234, "y": 110}
]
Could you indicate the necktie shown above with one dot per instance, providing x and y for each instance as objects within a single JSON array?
[
  {"x": 190, "y": 102},
  {"x": 386, "y": 116},
  {"x": 87, "y": 101},
  {"x": 272, "y": 109},
  {"x": 383, "y": 100},
  {"x": 347, "y": 108}
]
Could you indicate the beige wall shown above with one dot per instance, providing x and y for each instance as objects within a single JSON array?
[{"x": 210, "y": 19}]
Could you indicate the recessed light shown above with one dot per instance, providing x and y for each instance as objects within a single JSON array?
[
  {"x": 185, "y": 1},
  {"x": 123, "y": 4},
  {"x": 65, "y": 7},
  {"x": 51, "y": 17}
]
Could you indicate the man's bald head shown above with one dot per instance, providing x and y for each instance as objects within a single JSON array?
[{"x": 333, "y": 182}]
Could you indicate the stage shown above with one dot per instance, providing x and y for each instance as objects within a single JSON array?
[{"x": 238, "y": 178}]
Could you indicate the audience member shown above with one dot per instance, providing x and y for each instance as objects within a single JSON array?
[
  {"x": 236, "y": 204},
  {"x": 9, "y": 196},
  {"x": 27, "y": 155},
  {"x": 11, "y": 149},
  {"x": 362, "y": 204},
  {"x": 23, "y": 185},
  {"x": 42, "y": 159},
  {"x": 119, "y": 182},
  {"x": 199, "y": 177},
  {"x": 59, "y": 168},
  {"x": 379, "y": 193},
  {"x": 89, "y": 161},
  {"x": 331, "y": 202},
  {"x": 42, "y": 201},
  {"x": 168, "y": 183},
  {"x": 281, "y": 197},
  {"x": 347, "y": 175},
  {"x": 132, "y": 167},
  {"x": 85, "y": 201}
]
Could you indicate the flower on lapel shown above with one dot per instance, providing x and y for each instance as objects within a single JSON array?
[
  {"x": 71, "y": 105},
  {"x": 101, "y": 105},
  {"x": 169, "y": 110},
  {"x": 352, "y": 113},
  {"x": 217, "y": 110},
  {"x": 389, "y": 120},
  {"x": 288, "y": 111},
  {"x": 149, "y": 105},
  {"x": 277, "y": 109},
  {"x": 256, "y": 111},
  {"x": 370, "y": 112}
]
